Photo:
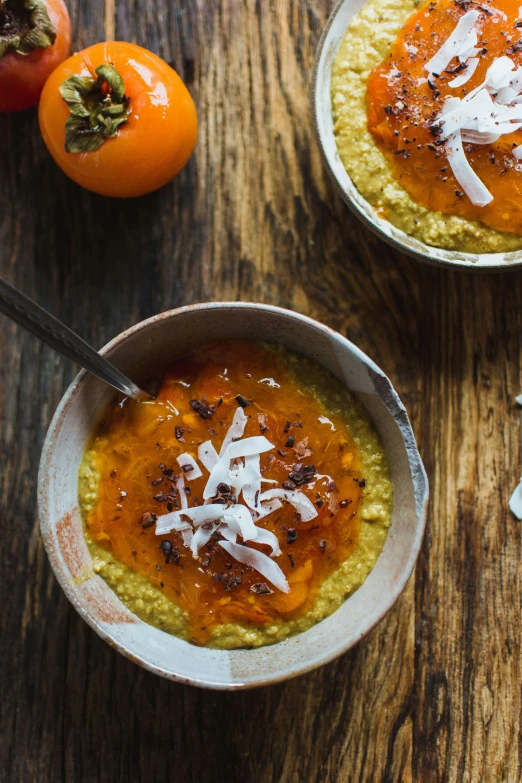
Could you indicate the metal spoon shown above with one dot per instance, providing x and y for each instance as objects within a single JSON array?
[{"x": 35, "y": 319}]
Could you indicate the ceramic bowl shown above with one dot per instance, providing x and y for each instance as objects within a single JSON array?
[
  {"x": 321, "y": 106},
  {"x": 141, "y": 352}
]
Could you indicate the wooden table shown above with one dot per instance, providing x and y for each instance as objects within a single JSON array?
[{"x": 434, "y": 693}]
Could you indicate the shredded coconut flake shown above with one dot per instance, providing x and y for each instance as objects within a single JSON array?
[
  {"x": 451, "y": 47},
  {"x": 208, "y": 455},
  {"x": 235, "y": 430},
  {"x": 515, "y": 502},
  {"x": 324, "y": 420},
  {"x": 298, "y": 499},
  {"x": 187, "y": 461},
  {"x": 262, "y": 563},
  {"x": 470, "y": 183},
  {"x": 466, "y": 75}
]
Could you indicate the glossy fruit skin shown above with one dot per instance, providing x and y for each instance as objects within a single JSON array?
[
  {"x": 151, "y": 147},
  {"x": 22, "y": 77}
]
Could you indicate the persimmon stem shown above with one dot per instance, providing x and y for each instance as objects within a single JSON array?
[
  {"x": 24, "y": 26},
  {"x": 98, "y": 106}
]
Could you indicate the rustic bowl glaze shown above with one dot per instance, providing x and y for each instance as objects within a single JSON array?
[
  {"x": 321, "y": 106},
  {"x": 141, "y": 352}
]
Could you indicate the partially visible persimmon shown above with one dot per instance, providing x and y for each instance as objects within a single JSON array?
[
  {"x": 35, "y": 37},
  {"x": 118, "y": 120}
]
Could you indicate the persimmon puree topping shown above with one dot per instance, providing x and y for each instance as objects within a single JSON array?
[
  {"x": 148, "y": 454},
  {"x": 407, "y": 105}
]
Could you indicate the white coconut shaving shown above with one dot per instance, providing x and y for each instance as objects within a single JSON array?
[
  {"x": 208, "y": 455},
  {"x": 465, "y": 76},
  {"x": 454, "y": 44},
  {"x": 262, "y": 563},
  {"x": 470, "y": 182},
  {"x": 238, "y": 465},
  {"x": 515, "y": 501},
  {"x": 325, "y": 420},
  {"x": 236, "y": 429},
  {"x": 189, "y": 466}
]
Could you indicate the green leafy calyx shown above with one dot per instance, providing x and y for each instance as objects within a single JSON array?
[
  {"x": 24, "y": 26},
  {"x": 98, "y": 107}
]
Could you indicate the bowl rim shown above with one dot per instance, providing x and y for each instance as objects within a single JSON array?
[
  {"x": 419, "y": 483},
  {"x": 398, "y": 239}
]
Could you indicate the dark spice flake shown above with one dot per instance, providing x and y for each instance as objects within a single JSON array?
[
  {"x": 202, "y": 409},
  {"x": 148, "y": 520},
  {"x": 261, "y": 589}
]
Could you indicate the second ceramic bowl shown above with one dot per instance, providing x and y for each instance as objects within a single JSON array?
[
  {"x": 141, "y": 352},
  {"x": 321, "y": 106}
]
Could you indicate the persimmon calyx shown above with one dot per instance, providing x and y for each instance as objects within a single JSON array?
[
  {"x": 98, "y": 106},
  {"x": 25, "y": 26}
]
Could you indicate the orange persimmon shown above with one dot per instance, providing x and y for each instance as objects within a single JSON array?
[
  {"x": 118, "y": 120},
  {"x": 35, "y": 37}
]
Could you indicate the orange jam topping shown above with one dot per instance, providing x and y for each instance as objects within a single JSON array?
[
  {"x": 135, "y": 450},
  {"x": 402, "y": 106}
]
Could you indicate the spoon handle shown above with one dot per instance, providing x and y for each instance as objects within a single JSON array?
[{"x": 35, "y": 319}]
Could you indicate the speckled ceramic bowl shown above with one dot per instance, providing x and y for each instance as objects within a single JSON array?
[
  {"x": 321, "y": 106},
  {"x": 140, "y": 352}
]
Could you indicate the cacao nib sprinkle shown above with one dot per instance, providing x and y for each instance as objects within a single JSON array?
[
  {"x": 157, "y": 481},
  {"x": 161, "y": 498},
  {"x": 297, "y": 424},
  {"x": 456, "y": 68},
  {"x": 291, "y": 558},
  {"x": 212, "y": 432},
  {"x": 170, "y": 507},
  {"x": 202, "y": 409},
  {"x": 205, "y": 562},
  {"x": 345, "y": 503},
  {"x": 289, "y": 485},
  {"x": 319, "y": 503},
  {"x": 261, "y": 418},
  {"x": 242, "y": 401},
  {"x": 388, "y": 109},
  {"x": 302, "y": 476},
  {"x": 166, "y": 548},
  {"x": 113, "y": 474},
  {"x": 220, "y": 401},
  {"x": 234, "y": 581},
  {"x": 332, "y": 486},
  {"x": 297, "y": 518},
  {"x": 219, "y": 577},
  {"x": 291, "y": 535},
  {"x": 187, "y": 490},
  {"x": 256, "y": 499},
  {"x": 290, "y": 442},
  {"x": 148, "y": 520},
  {"x": 179, "y": 432},
  {"x": 162, "y": 467},
  {"x": 322, "y": 545},
  {"x": 187, "y": 468},
  {"x": 360, "y": 482},
  {"x": 281, "y": 453},
  {"x": 286, "y": 427},
  {"x": 261, "y": 589}
]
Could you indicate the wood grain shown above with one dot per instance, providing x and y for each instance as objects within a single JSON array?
[{"x": 433, "y": 694}]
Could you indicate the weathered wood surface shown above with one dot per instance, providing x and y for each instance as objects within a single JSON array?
[{"x": 433, "y": 694}]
